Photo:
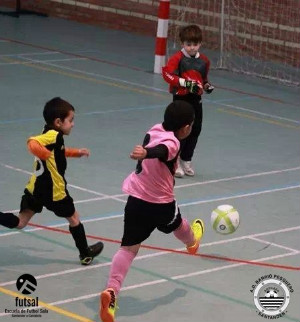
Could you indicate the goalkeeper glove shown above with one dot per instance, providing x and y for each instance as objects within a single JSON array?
[
  {"x": 208, "y": 88},
  {"x": 194, "y": 87}
]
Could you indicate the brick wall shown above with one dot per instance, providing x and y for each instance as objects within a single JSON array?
[{"x": 274, "y": 30}]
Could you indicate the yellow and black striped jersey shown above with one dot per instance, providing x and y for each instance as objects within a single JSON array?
[{"x": 47, "y": 181}]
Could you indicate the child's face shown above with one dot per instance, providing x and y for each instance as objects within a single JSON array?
[
  {"x": 191, "y": 47},
  {"x": 67, "y": 124}
]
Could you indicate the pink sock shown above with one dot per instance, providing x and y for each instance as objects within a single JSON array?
[
  {"x": 184, "y": 233},
  {"x": 119, "y": 268}
]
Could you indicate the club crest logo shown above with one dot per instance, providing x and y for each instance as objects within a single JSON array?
[{"x": 271, "y": 296}]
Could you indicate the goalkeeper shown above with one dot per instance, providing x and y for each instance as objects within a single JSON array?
[{"x": 187, "y": 72}]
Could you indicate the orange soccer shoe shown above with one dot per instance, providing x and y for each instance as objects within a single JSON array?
[
  {"x": 108, "y": 305},
  {"x": 197, "y": 227}
]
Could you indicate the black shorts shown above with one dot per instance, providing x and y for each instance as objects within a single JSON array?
[
  {"x": 141, "y": 218},
  {"x": 62, "y": 208}
]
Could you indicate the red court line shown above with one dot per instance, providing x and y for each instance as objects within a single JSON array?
[
  {"x": 226, "y": 259},
  {"x": 136, "y": 68}
]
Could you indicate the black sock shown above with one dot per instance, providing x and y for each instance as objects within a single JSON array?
[
  {"x": 9, "y": 220},
  {"x": 78, "y": 234}
]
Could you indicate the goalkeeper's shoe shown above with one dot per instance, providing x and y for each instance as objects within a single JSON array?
[
  {"x": 187, "y": 168},
  {"x": 92, "y": 251},
  {"x": 179, "y": 173},
  {"x": 197, "y": 227},
  {"x": 108, "y": 305}
]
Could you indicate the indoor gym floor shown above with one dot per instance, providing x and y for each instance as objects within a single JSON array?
[{"x": 248, "y": 156}]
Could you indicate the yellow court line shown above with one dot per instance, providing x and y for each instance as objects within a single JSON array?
[
  {"x": 259, "y": 119},
  {"x": 48, "y": 306}
]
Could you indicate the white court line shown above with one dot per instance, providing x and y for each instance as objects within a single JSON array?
[
  {"x": 29, "y": 54},
  {"x": 256, "y": 112},
  {"x": 71, "y": 271},
  {"x": 180, "y": 205},
  {"x": 98, "y": 193},
  {"x": 69, "y": 185},
  {"x": 239, "y": 196},
  {"x": 75, "y": 202},
  {"x": 80, "y": 269},
  {"x": 272, "y": 116},
  {"x": 274, "y": 244},
  {"x": 258, "y": 174},
  {"x": 41, "y": 61},
  {"x": 114, "y": 79},
  {"x": 252, "y": 175},
  {"x": 60, "y": 225},
  {"x": 160, "y": 281}
]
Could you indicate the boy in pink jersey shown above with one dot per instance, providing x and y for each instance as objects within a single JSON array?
[{"x": 151, "y": 202}]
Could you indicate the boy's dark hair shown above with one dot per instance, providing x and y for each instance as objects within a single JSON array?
[
  {"x": 56, "y": 108},
  {"x": 177, "y": 115},
  {"x": 190, "y": 33}
]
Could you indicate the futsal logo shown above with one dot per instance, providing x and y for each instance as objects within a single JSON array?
[
  {"x": 26, "y": 284},
  {"x": 26, "y": 307},
  {"x": 271, "y": 296}
]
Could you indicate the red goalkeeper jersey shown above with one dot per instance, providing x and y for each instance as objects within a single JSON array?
[{"x": 182, "y": 66}]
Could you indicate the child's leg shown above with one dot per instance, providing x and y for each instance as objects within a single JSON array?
[
  {"x": 190, "y": 235},
  {"x": 139, "y": 223},
  {"x": 10, "y": 220},
  {"x": 184, "y": 233},
  {"x": 28, "y": 207},
  {"x": 77, "y": 231},
  {"x": 189, "y": 144},
  {"x": 86, "y": 253},
  {"x": 120, "y": 265}
]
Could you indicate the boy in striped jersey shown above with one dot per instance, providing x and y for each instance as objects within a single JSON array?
[{"x": 47, "y": 186}]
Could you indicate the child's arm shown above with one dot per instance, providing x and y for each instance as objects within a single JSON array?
[
  {"x": 207, "y": 86},
  {"x": 157, "y": 152},
  {"x": 170, "y": 76},
  {"x": 76, "y": 153},
  {"x": 38, "y": 150},
  {"x": 168, "y": 71}
]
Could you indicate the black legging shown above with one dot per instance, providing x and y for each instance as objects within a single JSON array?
[{"x": 188, "y": 145}]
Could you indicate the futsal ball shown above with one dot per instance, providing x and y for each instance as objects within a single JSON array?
[
  {"x": 272, "y": 293},
  {"x": 225, "y": 219}
]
